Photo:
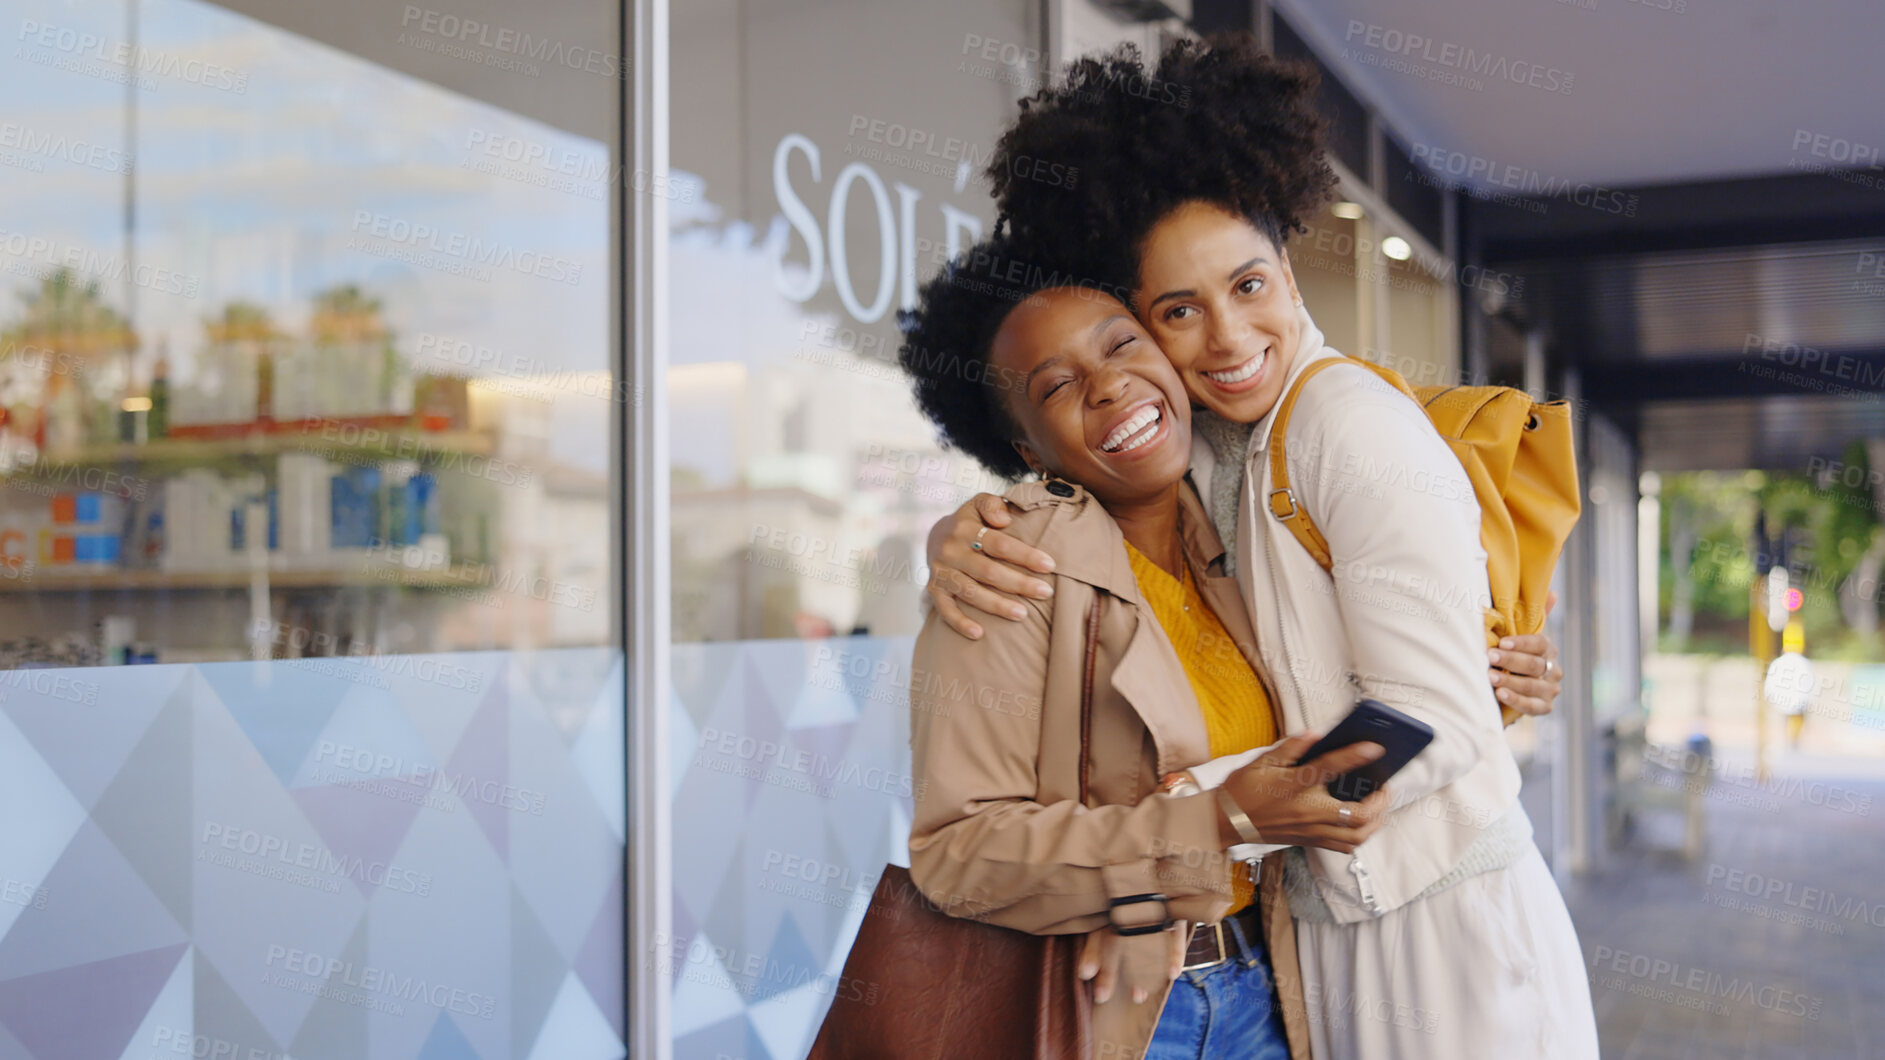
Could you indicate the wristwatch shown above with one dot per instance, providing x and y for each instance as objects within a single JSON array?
[{"x": 1179, "y": 783}]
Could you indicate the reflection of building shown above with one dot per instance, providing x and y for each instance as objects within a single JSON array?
[
  {"x": 892, "y": 608},
  {"x": 210, "y": 421},
  {"x": 548, "y": 582},
  {"x": 819, "y": 518},
  {"x": 254, "y": 342},
  {"x": 294, "y": 472},
  {"x": 731, "y": 582},
  {"x": 521, "y": 556}
]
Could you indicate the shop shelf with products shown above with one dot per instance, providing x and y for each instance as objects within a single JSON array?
[{"x": 305, "y": 476}]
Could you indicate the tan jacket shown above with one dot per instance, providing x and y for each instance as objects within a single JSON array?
[
  {"x": 999, "y": 834},
  {"x": 1400, "y": 619}
]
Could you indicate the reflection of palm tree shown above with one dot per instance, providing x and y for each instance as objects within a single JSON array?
[
  {"x": 242, "y": 322},
  {"x": 346, "y": 314},
  {"x": 242, "y": 343},
  {"x": 67, "y": 317},
  {"x": 345, "y": 317},
  {"x": 70, "y": 330}
]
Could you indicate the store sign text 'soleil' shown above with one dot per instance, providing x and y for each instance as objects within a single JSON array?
[{"x": 896, "y": 228}]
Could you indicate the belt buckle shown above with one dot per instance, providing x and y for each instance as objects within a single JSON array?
[{"x": 1222, "y": 951}]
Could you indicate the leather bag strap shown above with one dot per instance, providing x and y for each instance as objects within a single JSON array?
[
  {"x": 1283, "y": 502},
  {"x": 1086, "y": 689}
]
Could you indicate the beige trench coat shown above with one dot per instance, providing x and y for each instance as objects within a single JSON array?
[{"x": 999, "y": 833}]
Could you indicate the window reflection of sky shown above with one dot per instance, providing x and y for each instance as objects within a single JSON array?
[{"x": 256, "y": 194}]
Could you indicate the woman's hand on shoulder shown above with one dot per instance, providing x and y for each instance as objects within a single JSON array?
[
  {"x": 972, "y": 562},
  {"x": 1524, "y": 670}
]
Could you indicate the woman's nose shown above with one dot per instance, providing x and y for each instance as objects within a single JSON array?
[
  {"x": 1220, "y": 336},
  {"x": 1109, "y": 385}
]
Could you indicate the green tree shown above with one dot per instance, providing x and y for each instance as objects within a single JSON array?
[
  {"x": 242, "y": 322},
  {"x": 1834, "y": 549},
  {"x": 349, "y": 322},
  {"x": 66, "y": 316},
  {"x": 1707, "y": 521},
  {"x": 1834, "y": 517},
  {"x": 67, "y": 327}
]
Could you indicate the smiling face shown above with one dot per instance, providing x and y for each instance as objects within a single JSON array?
[
  {"x": 1099, "y": 403},
  {"x": 1220, "y": 299}
]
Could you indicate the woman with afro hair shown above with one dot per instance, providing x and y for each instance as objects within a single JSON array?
[
  {"x": 1141, "y": 666},
  {"x": 1444, "y": 935}
]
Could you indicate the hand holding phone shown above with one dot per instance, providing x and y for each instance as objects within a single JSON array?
[
  {"x": 1372, "y": 721},
  {"x": 1288, "y": 803}
]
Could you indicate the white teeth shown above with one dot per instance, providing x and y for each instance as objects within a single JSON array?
[
  {"x": 1238, "y": 375},
  {"x": 1145, "y": 420}
]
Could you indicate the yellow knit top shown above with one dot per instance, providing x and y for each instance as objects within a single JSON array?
[{"x": 1237, "y": 711}]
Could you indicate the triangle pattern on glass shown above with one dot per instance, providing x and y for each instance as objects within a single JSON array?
[
  {"x": 86, "y": 722},
  {"x": 89, "y": 1009},
  {"x": 142, "y": 814}
]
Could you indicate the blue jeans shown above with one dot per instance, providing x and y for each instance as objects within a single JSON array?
[{"x": 1224, "y": 1012}]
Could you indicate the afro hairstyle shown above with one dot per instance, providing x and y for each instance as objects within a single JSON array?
[
  {"x": 946, "y": 341},
  {"x": 1217, "y": 121}
]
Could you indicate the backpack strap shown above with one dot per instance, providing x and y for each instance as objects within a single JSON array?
[
  {"x": 1282, "y": 499},
  {"x": 1283, "y": 503}
]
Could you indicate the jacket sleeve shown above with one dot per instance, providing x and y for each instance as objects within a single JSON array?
[
  {"x": 982, "y": 847},
  {"x": 1402, "y": 524},
  {"x": 1213, "y": 773}
]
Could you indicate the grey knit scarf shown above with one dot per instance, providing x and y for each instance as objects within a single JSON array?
[{"x": 1231, "y": 444}]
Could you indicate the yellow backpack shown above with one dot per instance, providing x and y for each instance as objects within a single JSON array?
[{"x": 1522, "y": 462}]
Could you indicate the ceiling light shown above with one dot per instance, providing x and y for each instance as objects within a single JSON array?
[
  {"x": 1347, "y": 211},
  {"x": 1395, "y": 247}
]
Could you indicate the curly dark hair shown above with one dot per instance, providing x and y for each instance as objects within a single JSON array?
[
  {"x": 946, "y": 341},
  {"x": 1218, "y": 121}
]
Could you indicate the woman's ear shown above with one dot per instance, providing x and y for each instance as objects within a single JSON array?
[
  {"x": 1030, "y": 457},
  {"x": 1289, "y": 276}
]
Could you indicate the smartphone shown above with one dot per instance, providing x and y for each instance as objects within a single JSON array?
[{"x": 1372, "y": 721}]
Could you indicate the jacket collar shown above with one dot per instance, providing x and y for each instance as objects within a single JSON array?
[
  {"x": 1083, "y": 539},
  {"x": 1088, "y": 546},
  {"x": 1202, "y": 546},
  {"x": 1309, "y": 348}
]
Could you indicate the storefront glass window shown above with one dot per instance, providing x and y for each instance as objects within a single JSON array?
[
  {"x": 310, "y": 700},
  {"x": 839, "y": 151}
]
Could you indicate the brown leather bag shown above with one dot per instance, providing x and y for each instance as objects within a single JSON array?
[{"x": 920, "y": 983}]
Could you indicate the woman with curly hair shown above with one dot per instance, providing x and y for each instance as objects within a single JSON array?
[
  {"x": 1443, "y": 935},
  {"x": 1141, "y": 665}
]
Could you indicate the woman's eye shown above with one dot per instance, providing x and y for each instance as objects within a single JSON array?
[
  {"x": 1179, "y": 312},
  {"x": 1123, "y": 343},
  {"x": 1052, "y": 387},
  {"x": 1251, "y": 285}
]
